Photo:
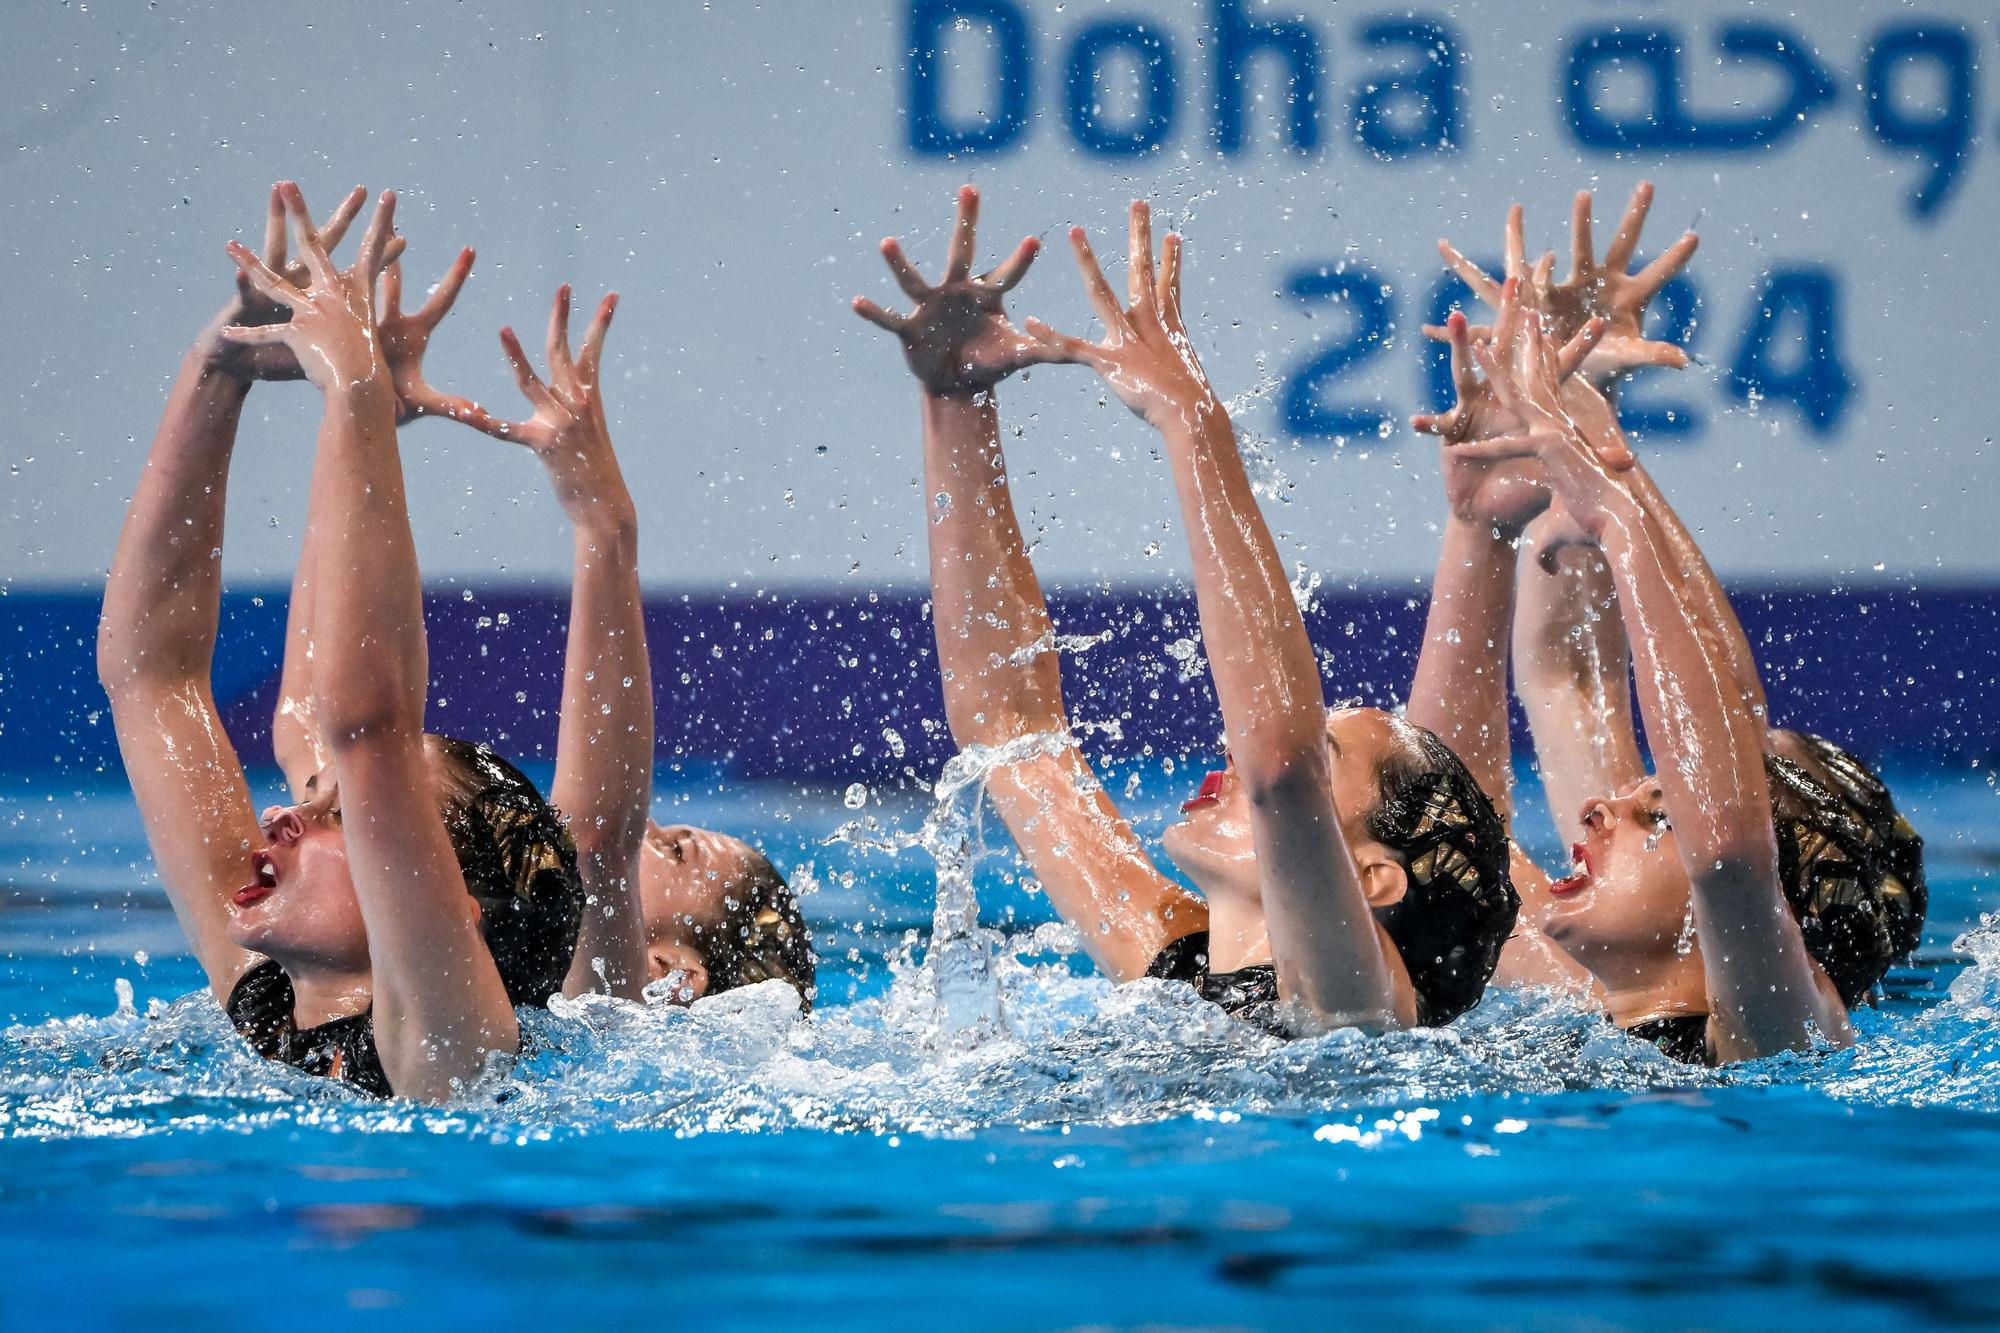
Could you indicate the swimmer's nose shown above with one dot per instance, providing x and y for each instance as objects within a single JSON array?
[
  {"x": 282, "y": 825},
  {"x": 1598, "y": 815}
]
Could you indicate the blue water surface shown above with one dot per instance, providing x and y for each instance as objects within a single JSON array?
[{"x": 1104, "y": 1157}]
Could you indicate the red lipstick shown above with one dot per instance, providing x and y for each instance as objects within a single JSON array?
[
  {"x": 1210, "y": 793},
  {"x": 1579, "y": 877},
  {"x": 264, "y": 873}
]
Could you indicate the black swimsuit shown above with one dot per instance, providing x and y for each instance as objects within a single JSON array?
[
  {"x": 1684, "y": 1038},
  {"x": 1249, "y": 993},
  {"x": 344, "y": 1048}
]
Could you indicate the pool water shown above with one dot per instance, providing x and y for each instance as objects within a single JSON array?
[{"x": 1078, "y": 1155}]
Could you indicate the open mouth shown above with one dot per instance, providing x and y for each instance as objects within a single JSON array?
[
  {"x": 1578, "y": 878},
  {"x": 1210, "y": 793},
  {"x": 264, "y": 872}
]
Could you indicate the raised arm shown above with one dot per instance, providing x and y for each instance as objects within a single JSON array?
[
  {"x": 1570, "y": 661},
  {"x": 438, "y": 1002},
  {"x": 1572, "y": 658},
  {"x": 1572, "y": 665},
  {"x": 996, "y": 645},
  {"x": 1325, "y": 944},
  {"x": 1495, "y": 487},
  {"x": 1573, "y": 674},
  {"x": 604, "y": 742},
  {"x": 1766, "y": 993},
  {"x": 156, "y": 639},
  {"x": 404, "y": 337},
  {"x": 296, "y": 742},
  {"x": 155, "y": 649}
]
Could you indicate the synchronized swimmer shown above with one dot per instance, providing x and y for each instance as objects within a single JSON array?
[{"x": 1355, "y": 867}]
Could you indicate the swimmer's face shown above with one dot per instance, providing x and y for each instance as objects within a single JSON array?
[
  {"x": 1628, "y": 905},
  {"x": 686, "y": 876},
  {"x": 297, "y": 903},
  {"x": 1213, "y": 843}
]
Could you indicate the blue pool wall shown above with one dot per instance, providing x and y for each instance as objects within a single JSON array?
[{"x": 808, "y": 685}]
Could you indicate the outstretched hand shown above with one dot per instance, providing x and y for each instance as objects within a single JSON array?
[
  {"x": 406, "y": 336},
  {"x": 567, "y": 429},
  {"x": 1145, "y": 356},
  {"x": 1492, "y": 472},
  {"x": 958, "y": 339},
  {"x": 1605, "y": 289},
  {"x": 1583, "y": 469},
  {"x": 250, "y": 308},
  {"x": 330, "y": 328}
]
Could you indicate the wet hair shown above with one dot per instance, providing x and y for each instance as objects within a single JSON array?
[
  {"x": 1460, "y": 907},
  {"x": 1851, "y": 866},
  {"x": 762, "y": 936},
  {"x": 519, "y": 863}
]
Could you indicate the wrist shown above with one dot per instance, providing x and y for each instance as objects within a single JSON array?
[
  {"x": 1474, "y": 530},
  {"x": 216, "y": 355},
  {"x": 609, "y": 531},
  {"x": 1614, "y": 513},
  {"x": 210, "y": 358},
  {"x": 944, "y": 411},
  {"x": 362, "y": 393},
  {"x": 958, "y": 393},
  {"x": 1194, "y": 418},
  {"x": 207, "y": 381}
]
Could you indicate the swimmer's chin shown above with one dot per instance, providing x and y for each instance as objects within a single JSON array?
[
  {"x": 1218, "y": 872},
  {"x": 1182, "y": 842},
  {"x": 248, "y": 929}
]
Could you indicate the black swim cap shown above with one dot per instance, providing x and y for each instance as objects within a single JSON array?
[
  {"x": 1460, "y": 907},
  {"x": 519, "y": 863},
  {"x": 1852, "y": 867}
]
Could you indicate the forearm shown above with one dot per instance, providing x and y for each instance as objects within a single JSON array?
[
  {"x": 295, "y": 738},
  {"x": 1704, "y": 589},
  {"x": 1266, "y": 679},
  {"x": 604, "y": 753},
  {"x": 1001, "y": 684},
  {"x": 1460, "y": 687},
  {"x": 162, "y": 599},
  {"x": 1572, "y": 672},
  {"x": 370, "y": 658},
  {"x": 156, "y": 646},
  {"x": 1324, "y": 940},
  {"x": 1764, "y": 990},
  {"x": 1707, "y": 748},
  {"x": 994, "y": 637},
  {"x": 438, "y": 1003}
]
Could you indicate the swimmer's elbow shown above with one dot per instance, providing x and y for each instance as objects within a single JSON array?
[
  {"x": 1284, "y": 776},
  {"x": 996, "y": 721},
  {"x": 363, "y": 712},
  {"x": 1733, "y": 864},
  {"x": 126, "y": 666},
  {"x": 608, "y": 841},
  {"x": 351, "y": 731}
]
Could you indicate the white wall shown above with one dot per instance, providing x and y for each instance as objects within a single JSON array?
[{"x": 729, "y": 168}]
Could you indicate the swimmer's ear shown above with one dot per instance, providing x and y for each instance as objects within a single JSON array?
[{"x": 1383, "y": 881}]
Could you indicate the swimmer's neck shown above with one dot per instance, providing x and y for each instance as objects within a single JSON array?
[
  {"x": 321, "y": 994},
  {"x": 1237, "y": 936},
  {"x": 1681, "y": 993}
]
